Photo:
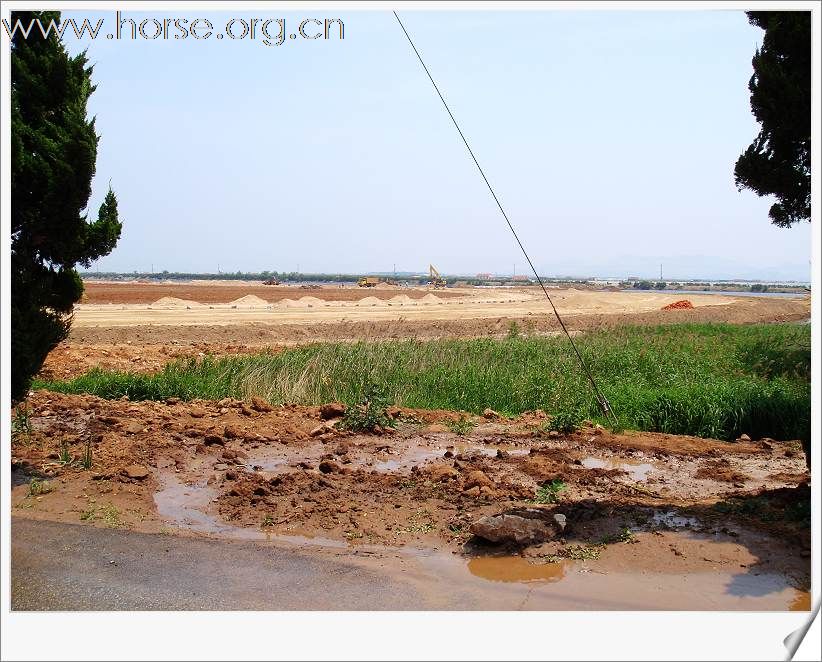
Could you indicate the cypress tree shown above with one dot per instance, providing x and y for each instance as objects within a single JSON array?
[
  {"x": 778, "y": 161},
  {"x": 53, "y": 155}
]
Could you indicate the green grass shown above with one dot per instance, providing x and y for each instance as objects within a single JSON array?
[{"x": 706, "y": 380}]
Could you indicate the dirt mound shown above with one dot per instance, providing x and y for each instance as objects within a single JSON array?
[
  {"x": 249, "y": 300},
  {"x": 431, "y": 298},
  {"x": 311, "y": 301},
  {"x": 401, "y": 298},
  {"x": 174, "y": 302},
  {"x": 289, "y": 303},
  {"x": 369, "y": 301},
  {"x": 684, "y": 304}
]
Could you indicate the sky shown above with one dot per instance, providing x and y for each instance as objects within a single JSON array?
[{"x": 609, "y": 137}]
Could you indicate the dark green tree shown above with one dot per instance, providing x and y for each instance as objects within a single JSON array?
[
  {"x": 778, "y": 161},
  {"x": 53, "y": 155}
]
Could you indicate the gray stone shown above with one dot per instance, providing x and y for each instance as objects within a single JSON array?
[{"x": 524, "y": 526}]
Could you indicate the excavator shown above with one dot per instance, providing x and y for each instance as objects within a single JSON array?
[{"x": 434, "y": 277}]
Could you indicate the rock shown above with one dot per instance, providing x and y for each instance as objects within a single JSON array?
[
  {"x": 196, "y": 412},
  {"x": 332, "y": 410},
  {"x": 172, "y": 401},
  {"x": 393, "y": 412},
  {"x": 213, "y": 439},
  {"x": 260, "y": 405},
  {"x": 561, "y": 521},
  {"x": 231, "y": 475},
  {"x": 136, "y": 471},
  {"x": 229, "y": 454},
  {"x": 435, "y": 428},
  {"x": 490, "y": 413},
  {"x": 441, "y": 472},
  {"x": 501, "y": 454},
  {"x": 525, "y": 526},
  {"x": 220, "y": 466},
  {"x": 472, "y": 491},
  {"x": 744, "y": 437},
  {"x": 233, "y": 432},
  {"x": 321, "y": 429},
  {"x": 329, "y": 467},
  {"x": 553, "y": 434},
  {"x": 478, "y": 479},
  {"x": 246, "y": 410},
  {"x": 133, "y": 427}
]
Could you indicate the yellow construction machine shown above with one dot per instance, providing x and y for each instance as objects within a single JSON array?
[
  {"x": 434, "y": 277},
  {"x": 368, "y": 281}
]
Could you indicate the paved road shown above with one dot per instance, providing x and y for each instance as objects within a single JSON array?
[{"x": 74, "y": 567}]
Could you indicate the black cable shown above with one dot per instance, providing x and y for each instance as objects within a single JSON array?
[{"x": 601, "y": 399}]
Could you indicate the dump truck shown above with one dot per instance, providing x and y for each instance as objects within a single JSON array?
[
  {"x": 368, "y": 281},
  {"x": 271, "y": 281}
]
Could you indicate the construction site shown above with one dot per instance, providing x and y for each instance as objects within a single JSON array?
[{"x": 494, "y": 500}]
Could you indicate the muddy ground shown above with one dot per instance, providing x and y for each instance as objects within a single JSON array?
[{"x": 249, "y": 470}]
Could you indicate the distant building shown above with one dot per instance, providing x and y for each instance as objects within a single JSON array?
[{"x": 485, "y": 276}]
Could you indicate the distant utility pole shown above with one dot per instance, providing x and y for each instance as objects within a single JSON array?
[{"x": 660, "y": 271}]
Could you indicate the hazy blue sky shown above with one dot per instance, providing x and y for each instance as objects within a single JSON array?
[{"x": 610, "y": 137}]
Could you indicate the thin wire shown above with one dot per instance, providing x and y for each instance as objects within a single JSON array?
[{"x": 601, "y": 399}]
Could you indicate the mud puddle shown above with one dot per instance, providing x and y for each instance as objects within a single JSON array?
[
  {"x": 638, "y": 471},
  {"x": 382, "y": 459},
  {"x": 186, "y": 507},
  {"x": 608, "y": 584},
  {"x": 677, "y": 569}
]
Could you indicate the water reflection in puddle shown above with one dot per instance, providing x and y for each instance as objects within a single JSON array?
[{"x": 638, "y": 471}]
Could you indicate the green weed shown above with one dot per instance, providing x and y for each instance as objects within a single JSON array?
[
  {"x": 549, "y": 492},
  {"x": 462, "y": 426},
  {"x": 64, "y": 457},
  {"x": 21, "y": 424},
  {"x": 707, "y": 380},
  {"x": 369, "y": 413},
  {"x": 86, "y": 459},
  {"x": 38, "y": 486},
  {"x": 565, "y": 422}
]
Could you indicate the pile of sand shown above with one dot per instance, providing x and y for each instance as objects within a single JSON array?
[
  {"x": 249, "y": 300},
  {"x": 310, "y": 301},
  {"x": 174, "y": 302},
  {"x": 369, "y": 301},
  {"x": 401, "y": 299},
  {"x": 431, "y": 298},
  {"x": 289, "y": 303}
]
